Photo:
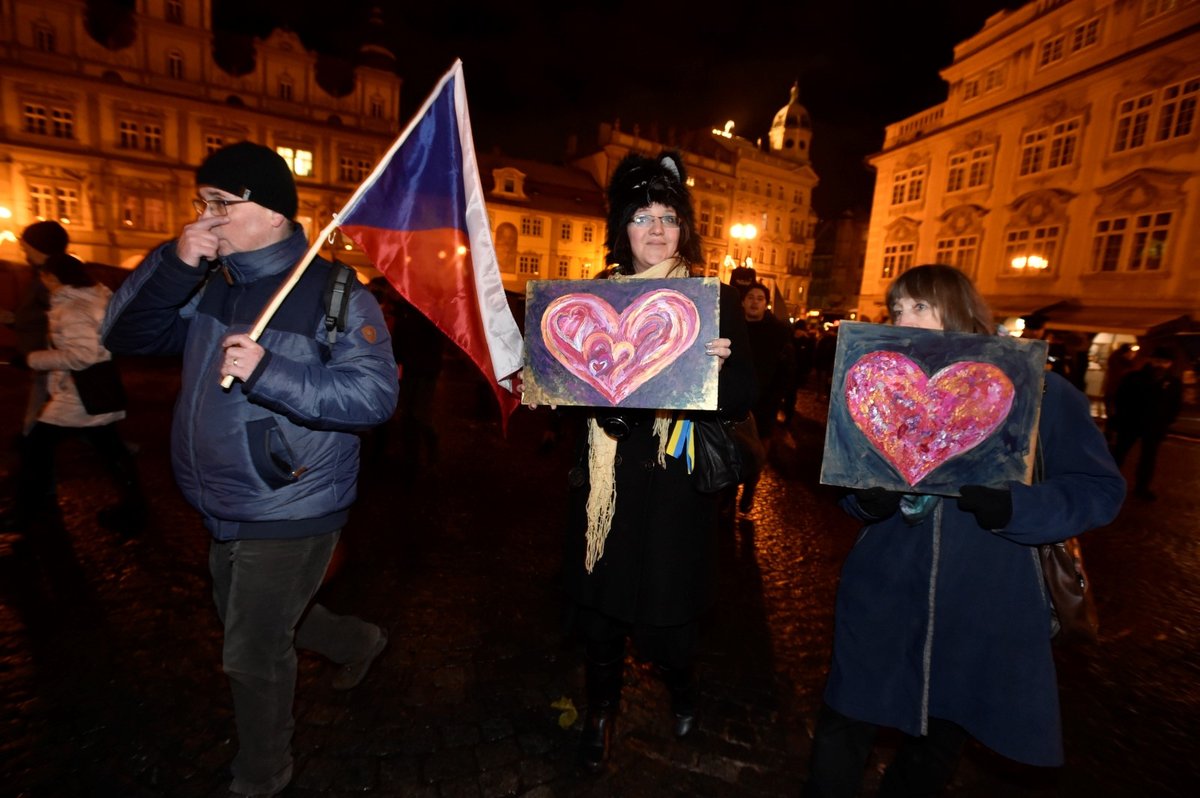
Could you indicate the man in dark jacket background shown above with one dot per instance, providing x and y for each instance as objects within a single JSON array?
[
  {"x": 1147, "y": 403},
  {"x": 272, "y": 464}
]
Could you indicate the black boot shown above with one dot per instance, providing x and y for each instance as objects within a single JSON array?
[
  {"x": 682, "y": 687},
  {"x": 604, "y": 699}
]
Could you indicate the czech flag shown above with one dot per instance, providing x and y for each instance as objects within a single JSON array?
[{"x": 420, "y": 217}]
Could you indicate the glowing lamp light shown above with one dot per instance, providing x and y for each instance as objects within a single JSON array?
[
  {"x": 743, "y": 231},
  {"x": 727, "y": 132},
  {"x": 461, "y": 250},
  {"x": 1030, "y": 262},
  {"x": 5, "y": 213},
  {"x": 347, "y": 246},
  {"x": 8, "y": 235},
  {"x": 64, "y": 220}
]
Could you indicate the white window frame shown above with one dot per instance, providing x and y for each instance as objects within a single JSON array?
[
  {"x": 175, "y": 66},
  {"x": 531, "y": 226},
  {"x": 54, "y": 200},
  {"x": 529, "y": 265},
  {"x": 962, "y": 252},
  {"x": 1154, "y": 117},
  {"x": 564, "y": 268},
  {"x": 1124, "y": 244},
  {"x": 564, "y": 231},
  {"x": 299, "y": 160},
  {"x": 44, "y": 37},
  {"x": 908, "y": 185},
  {"x": 897, "y": 258},
  {"x": 589, "y": 233},
  {"x": 1032, "y": 250}
]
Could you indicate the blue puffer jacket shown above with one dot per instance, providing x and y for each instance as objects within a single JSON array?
[{"x": 276, "y": 456}]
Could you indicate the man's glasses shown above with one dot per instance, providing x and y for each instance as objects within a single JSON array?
[
  {"x": 669, "y": 221},
  {"x": 219, "y": 207}
]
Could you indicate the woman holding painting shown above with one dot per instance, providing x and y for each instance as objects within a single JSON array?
[{"x": 943, "y": 626}]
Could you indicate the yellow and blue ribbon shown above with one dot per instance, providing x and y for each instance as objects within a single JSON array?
[{"x": 682, "y": 442}]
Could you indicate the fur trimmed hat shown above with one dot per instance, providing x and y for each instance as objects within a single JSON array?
[
  {"x": 48, "y": 238},
  {"x": 638, "y": 182},
  {"x": 251, "y": 172}
]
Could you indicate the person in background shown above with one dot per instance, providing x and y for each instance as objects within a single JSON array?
[
  {"x": 418, "y": 346},
  {"x": 771, "y": 350},
  {"x": 802, "y": 348},
  {"x": 272, "y": 463},
  {"x": 1122, "y": 360},
  {"x": 824, "y": 353},
  {"x": 641, "y": 540},
  {"x": 40, "y": 241},
  {"x": 77, "y": 305},
  {"x": 943, "y": 626},
  {"x": 1147, "y": 403}
]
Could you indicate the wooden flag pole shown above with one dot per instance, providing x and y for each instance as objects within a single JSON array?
[{"x": 264, "y": 318}]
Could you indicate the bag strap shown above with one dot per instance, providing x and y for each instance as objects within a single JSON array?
[{"x": 337, "y": 299}]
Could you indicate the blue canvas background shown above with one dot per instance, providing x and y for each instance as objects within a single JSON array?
[{"x": 852, "y": 461}]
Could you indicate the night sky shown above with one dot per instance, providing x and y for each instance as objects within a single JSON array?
[{"x": 538, "y": 71}]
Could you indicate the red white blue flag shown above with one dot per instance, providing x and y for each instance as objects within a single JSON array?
[{"x": 420, "y": 217}]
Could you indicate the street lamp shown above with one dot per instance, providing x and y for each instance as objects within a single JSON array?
[{"x": 742, "y": 233}]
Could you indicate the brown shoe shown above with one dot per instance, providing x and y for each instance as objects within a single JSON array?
[{"x": 352, "y": 673}]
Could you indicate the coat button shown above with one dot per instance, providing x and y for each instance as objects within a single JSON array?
[{"x": 617, "y": 460}]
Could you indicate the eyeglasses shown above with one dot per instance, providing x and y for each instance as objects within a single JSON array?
[
  {"x": 219, "y": 207},
  {"x": 669, "y": 221}
]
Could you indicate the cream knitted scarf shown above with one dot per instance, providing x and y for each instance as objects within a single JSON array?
[{"x": 602, "y": 449}]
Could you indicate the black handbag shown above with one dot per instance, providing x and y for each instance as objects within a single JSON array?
[
  {"x": 718, "y": 458},
  {"x": 100, "y": 388}
]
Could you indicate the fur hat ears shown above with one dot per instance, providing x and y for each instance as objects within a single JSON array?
[{"x": 639, "y": 181}]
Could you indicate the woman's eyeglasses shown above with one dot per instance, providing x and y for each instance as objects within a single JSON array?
[
  {"x": 669, "y": 221},
  {"x": 219, "y": 207}
]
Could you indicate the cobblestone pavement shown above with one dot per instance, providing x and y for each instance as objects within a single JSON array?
[{"x": 110, "y": 681}]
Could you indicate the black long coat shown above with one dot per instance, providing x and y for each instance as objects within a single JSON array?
[{"x": 659, "y": 560}]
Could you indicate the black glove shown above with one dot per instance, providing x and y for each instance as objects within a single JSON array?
[
  {"x": 992, "y": 506},
  {"x": 878, "y": 502},
  {"x": 17, "y": 360}
]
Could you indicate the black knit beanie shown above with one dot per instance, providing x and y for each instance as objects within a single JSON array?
[
  {"x": 48, "y": 238},
  {"x": 251, "y": 172}
]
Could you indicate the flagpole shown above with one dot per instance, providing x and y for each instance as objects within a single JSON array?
[{"x": 264, "y": 318}]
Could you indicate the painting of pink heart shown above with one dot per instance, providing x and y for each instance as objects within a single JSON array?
[
  {"x": 628, "y": 343},
  {"x": 925, "y": 411},
  {"x": 917, "y": 422}
]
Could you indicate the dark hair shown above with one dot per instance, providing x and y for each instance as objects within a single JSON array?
[
  {"x": 949, "y": 291},
  {"x": 68, "y": 271},
  {"x": 757, "y": 287},
  {"x": 638, "y": 182}
]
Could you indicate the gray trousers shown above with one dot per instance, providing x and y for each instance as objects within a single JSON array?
[{"x": 263, "y": 589}]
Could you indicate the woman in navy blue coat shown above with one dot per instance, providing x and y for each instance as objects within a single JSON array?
[{"x": 943, "y": 621}]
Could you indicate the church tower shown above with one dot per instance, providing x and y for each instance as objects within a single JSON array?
[{"x": 791, "y": 132}]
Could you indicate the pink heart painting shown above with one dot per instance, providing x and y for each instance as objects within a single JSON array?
[
  {"x": 618, "y": 353},
  {"x": 918, "y": 422}
]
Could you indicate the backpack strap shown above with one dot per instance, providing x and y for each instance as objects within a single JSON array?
[{"x": 337, "y": 299}]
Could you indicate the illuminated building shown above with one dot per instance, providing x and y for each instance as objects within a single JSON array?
[
  {"x": 753, "y": 201},
  {"x": 106, "y": 136},
  {"x": 1060, "y": 172}
]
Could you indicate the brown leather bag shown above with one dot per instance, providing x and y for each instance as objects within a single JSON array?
[
  {"x": 1073, "y": 615},
  {"x": 1072, "y": 607}
]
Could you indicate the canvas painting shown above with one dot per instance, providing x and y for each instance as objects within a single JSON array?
[
  {"x": 924, "y": 411},
  {"x": 621, "y": 343}
]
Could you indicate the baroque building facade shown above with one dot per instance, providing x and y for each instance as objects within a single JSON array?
[
  {"x": 105, "y": 137},
  {"x": 1062, "y": 172},
  {"x": 753, "y": 200}
]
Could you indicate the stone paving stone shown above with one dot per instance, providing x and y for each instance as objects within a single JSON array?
[
  {"x": 495, "y": 754},
  {"x": 449, "y": 763},
  {"x": 500, "y": 782},
  {"x": 463, "y": 787}
]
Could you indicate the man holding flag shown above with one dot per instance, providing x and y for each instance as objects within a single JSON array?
[{"x": 272, "y": 462}]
